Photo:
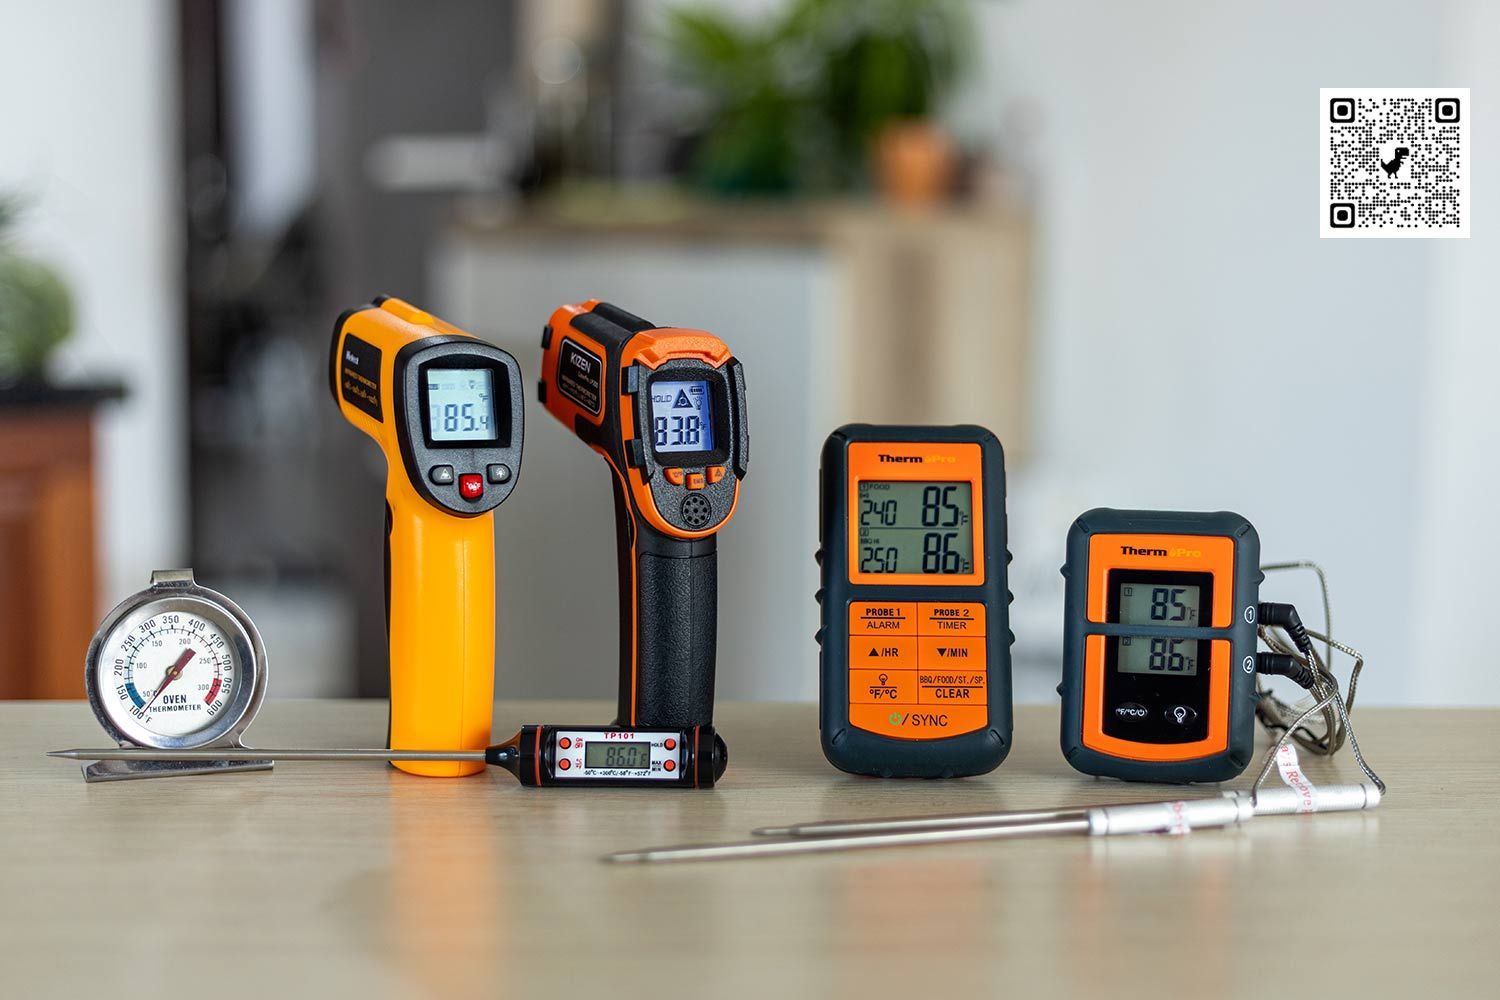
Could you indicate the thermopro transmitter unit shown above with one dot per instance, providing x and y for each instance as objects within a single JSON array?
[
  {"x": 445, "y": 409},
  {"x": 915, "y": 636},
  {"x": 666, "y": 409},
  {"x": 1159, "y": 645}
]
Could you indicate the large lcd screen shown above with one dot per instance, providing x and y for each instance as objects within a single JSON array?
[
  {"x": 1148, "y": 602},
  {"x": 681, "y": 416},
  {"x": 915, "y": 527},
  {"x": 1157, "y": 654},
  {"x": 460, "y": 404},
  {"x": 625, "y": 756}
]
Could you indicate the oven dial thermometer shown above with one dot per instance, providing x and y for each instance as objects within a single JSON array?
[{"x": 175, "y": 667}]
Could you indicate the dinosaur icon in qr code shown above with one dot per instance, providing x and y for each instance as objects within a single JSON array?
[{"x": 1393, "y": 165}]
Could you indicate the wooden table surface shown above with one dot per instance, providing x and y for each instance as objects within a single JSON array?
[{"x": 353, "y": 879}]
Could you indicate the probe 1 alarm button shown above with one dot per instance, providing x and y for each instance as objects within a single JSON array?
[
  {"x": 882, "y": 687},
  {"x": 883, "y": 652},
  {"x": 441, "y": 475},
  {"x": 674, "y": 476},
  {"x": 882, "y": 618},
  {"x": 470, "y": 486},
  {"x": 497, "y": 473},
  {"x": 938, "y": 653},
  {"x": 695, "y": 480},
  {"x": 950, "y": 619},
  {"x": 715, "y": 473}
]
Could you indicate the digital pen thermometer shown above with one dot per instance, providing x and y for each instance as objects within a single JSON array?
[{"x": 561, "y": 756}]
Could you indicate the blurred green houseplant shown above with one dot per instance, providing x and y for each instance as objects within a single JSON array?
[
  {"x": 796, "y": 99},
  {"x": 36, "y": 310}
]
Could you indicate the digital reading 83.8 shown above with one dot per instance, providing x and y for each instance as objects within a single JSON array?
[{"x": 915, "y": 663}]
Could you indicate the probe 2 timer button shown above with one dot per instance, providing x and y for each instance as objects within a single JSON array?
[
  {"x": 695, "y": 480},
  {"x": 882, "y": 652},
  {"x": 882, "y": 618},
  {"x": 950, "y": 619},
  {"x": 470, "y": 486},
  {"x": 674, "y": 476},
  {"x": 441, "y": 475},
  {"x": 497, "y": 473},
  {"x": 882, "y": 687}
]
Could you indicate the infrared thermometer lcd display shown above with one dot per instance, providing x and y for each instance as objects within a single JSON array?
[
  {"x": 445, "y": 409},
  {"x": 915, "y": 637},
  {"x": 1159, "y": 645}
]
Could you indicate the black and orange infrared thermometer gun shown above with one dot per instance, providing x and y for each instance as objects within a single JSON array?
[
  {"x": 666, "y": 409},
  {"x": 445, "y": 409}
]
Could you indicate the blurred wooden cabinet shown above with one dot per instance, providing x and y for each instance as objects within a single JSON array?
[
  {"x": 838, "y": 312},
  {"x": 48, "y": 557}
]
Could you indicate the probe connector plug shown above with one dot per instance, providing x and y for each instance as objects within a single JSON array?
[
  {"x": 1283, "y": 665},
  {"x": 1284, "y": 616}
]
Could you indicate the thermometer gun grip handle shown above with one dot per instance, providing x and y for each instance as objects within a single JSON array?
[
  {"x": 668, "y": 624},
  {"x": 440, "y": 587}
]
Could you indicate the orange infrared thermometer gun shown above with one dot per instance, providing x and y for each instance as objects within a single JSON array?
[
  {"x": 666, "y": 409},
  {"x": 445, "y": 409}
]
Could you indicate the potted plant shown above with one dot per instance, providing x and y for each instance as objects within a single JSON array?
[{"x": 36, "y": 310}]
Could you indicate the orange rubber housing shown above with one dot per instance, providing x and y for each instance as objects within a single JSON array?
[{"x": 1184, "y": 553}]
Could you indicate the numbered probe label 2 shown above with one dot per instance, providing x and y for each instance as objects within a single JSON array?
[
  {"x": 580, "y": 376},
  {"x": 359, "y": 374}
]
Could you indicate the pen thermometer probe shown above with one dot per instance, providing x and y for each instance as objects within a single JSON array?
[
  {"x": 1159, "y": 645},
  {"x": 446, "y": 411},
  {"x": 666, "y": 409},
  {"x": 915, "y": 637}
]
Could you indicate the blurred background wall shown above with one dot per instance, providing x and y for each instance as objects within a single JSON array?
[{"x": 1132, "y": 189}]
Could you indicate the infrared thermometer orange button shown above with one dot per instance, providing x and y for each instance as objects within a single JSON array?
[
  {"x": 715, "y": 473},
  {"x": 695, "y": 481},
  {"x": 674, "y": 476},
  {"x": 882, "y": 618}
]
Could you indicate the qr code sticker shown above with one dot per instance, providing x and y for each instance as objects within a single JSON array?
[{"x": 1395, "y": 163}]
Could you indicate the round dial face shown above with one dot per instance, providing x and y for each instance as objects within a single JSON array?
[{"x": 168, "y": 671}]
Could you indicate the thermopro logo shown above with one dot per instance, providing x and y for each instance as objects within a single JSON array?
[
  {"x": 1177, "y": 553},
  {"x": 918, "y": 459}
]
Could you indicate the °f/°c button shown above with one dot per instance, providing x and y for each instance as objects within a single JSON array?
[
  {"x": 1130, "y": 710},
  {"x": 497, "y": 473},
  {"x": 441, "y": 475}
]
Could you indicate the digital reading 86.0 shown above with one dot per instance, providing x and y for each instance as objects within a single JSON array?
[{"x": 915, "y": 527}]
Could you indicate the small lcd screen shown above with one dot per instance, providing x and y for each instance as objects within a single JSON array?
[
  {"x": 461, "y": 404},
  {"x": 916, "y": 527},
  {"x": 681, "y": 416},
  {"x": 626, "y": 756},
  {"x": 1156, "y": 654},
  {"x": 1147, "y": 602}
]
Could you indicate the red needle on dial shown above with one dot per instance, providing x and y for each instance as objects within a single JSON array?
[{"x": 173, "y": 672}]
